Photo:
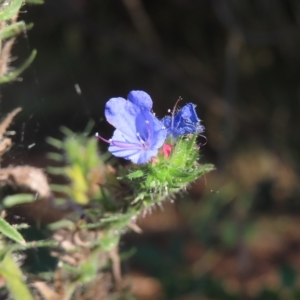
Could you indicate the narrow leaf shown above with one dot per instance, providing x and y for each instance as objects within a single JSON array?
[
  {"x": 34, "y": 1},
  {"x": 60, "y": 188},
  {"x": 55, "y": 156},
  {"x": 10, "y": 232},
  {"x": 10, "y": 10},
  {"x": 14, "y": 29},
  {"x": 136, "y": 174},
  {"x": 64, "y": 223},
  {"x": 14, "y": 279},
  {"x": 11, "y": 76},
  {"x": 13, "y": 200},
  {"x": 56, "y": 170},
  {"x": 54, "y": 142}
]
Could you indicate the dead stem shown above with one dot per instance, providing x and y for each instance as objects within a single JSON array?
[{"x": 116, "y": 266}]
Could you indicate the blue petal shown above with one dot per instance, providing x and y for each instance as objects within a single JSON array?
[
  {"x": 139, "y": 134},
  {"x": 144, "y": 156},
  {"x": 122, "y": 114},
  {"x": 136, "y": 153},
  {"x": 127, "y": 150},
  {"x": 159, "y": 133},
  {"x": 144, "y": 124},
  {"x": 167, "y": 120},
  {"x": 184, "y": 122},
  {"x": 140, "y": 99}
]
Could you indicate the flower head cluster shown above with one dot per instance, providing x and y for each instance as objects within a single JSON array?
[
  {"x": 184, "y": 122},
  {"x": 139, "y": 134}
]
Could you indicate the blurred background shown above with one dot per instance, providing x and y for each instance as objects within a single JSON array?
[{"x": 236, "y": 234}]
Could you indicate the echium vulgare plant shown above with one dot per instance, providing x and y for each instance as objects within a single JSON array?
[
  {"x": 102, "y": 199},
  {"x": 164, "y": 153}
]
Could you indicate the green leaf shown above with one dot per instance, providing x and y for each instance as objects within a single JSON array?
[
  {"x": 13, "y": 200},
  {"x": 10, "y": 232},
  {"x": 55, "y": 156},
  {"x": 10, "y": 10},
  {"x": 14, "y": 29},
  {"x": 64, "y": 223},
  {"x": 14, "y": 279},
  {"x": 67, "y": 132},
  {"x": 88, "y": 129},
  {"x": 179, "y": 173},
  {"x": 54, "y": 142},
  {"x": 34, "y": 1},
  {"x": 109, "y": 240},
  {"x": 203, "y": 169},
  {"x": 136, "y": 174},
  {"x": 60, "y": 188},
  {"x": 191, "y": 143},
  {"x": 11, "y": 76},
  {"x": 56, "y": 170},
  {"x": 88, "y": 270}
]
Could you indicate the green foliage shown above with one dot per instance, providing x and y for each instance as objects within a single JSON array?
[
  {"x": 12, "y": 200},
  {"x": 155, "y": 181},
  {"x": 85, "y": 170},
  {"x": 10, "y": 28},
  {"x": 14, "y": 279},
  {"x": 9, "y": 9},
  {"x": 9, "y": 269},
  {"x": 13, "y": 29},
  {"x": 14, "y": 74},
  {"x": 10, "y": 232},
  {"x": 111, "y": 196},
  {"x": 34, "y": 1},
  {"x": 108, "y": 197}
]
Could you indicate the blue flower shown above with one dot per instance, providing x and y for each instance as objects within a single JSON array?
[
  {"x": 139, "y": 134},
  {"x": 184, "y": 122}
]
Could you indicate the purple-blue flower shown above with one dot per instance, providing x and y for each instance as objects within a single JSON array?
[
  {"x": 139, "y": 134},
  {"x": 184, "y": 122}
]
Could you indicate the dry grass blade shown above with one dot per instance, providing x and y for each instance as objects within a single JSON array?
[
  {"x": 5, "y": 143},
  {"x": 7, "y": 121},
  {"x": 5, "y": 55},
  {"x": 46, "y": 291}
]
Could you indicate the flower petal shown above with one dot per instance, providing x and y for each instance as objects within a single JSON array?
[
  {"x": 167, "y": 121},
  {"x": 184, "y": 122},
  {"x": 134, "y": 152},
  {"x": 122, "y": 114},
  {"x": 144, "y": 156},
  {"x": 138, "y": 133},
  {"x": 140, "y": 99},
  {"x": 126, "y": 150},
  {"x": 160, "y": 134},
  {"x": 187, "y": 114}
]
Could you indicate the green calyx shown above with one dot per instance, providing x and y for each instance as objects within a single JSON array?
[{"x": 170, "y": 171}]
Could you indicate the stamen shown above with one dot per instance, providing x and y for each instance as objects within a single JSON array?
[
  {"x": 122, "y": 145},
  {"x": 140, "y": 139},
  {"x": 206, "y": 140},
  {"x": 101, "y": 138},
  {"x": 149, "y": 132},
  {"x": 173, "y": 112}
]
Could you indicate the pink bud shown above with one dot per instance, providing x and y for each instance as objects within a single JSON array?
[{"x": 167, "y": 150}]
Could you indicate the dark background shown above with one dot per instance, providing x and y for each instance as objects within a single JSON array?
[{"x": 236, "y": 235}]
